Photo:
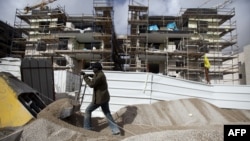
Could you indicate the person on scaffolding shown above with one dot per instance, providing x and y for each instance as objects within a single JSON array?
[
  {"x": 206, "y": 67},
  {"x": 100, "y": 98}
]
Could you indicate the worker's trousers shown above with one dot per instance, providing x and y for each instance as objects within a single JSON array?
[{"x": 106, "y": 111}]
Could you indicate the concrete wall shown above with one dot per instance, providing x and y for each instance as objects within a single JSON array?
[{"x": 247, "y": 63}]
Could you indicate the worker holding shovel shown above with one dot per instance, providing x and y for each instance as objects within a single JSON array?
[{"x": 100, "y": 98}]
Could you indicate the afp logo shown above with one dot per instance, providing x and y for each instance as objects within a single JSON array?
[{"x": 236, "y": 132}]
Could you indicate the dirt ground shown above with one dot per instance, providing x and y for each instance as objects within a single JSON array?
[{"x": 178, "y": 120}]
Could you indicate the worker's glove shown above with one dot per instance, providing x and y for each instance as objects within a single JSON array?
[{"x": 82, "y": 73}]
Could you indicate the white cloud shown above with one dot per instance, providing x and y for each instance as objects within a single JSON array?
[{"x": 164, "y": 7}]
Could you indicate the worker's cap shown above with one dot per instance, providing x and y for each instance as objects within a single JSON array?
[{"x": 97, "y": 65}]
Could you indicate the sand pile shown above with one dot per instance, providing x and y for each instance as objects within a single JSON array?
[
  {"x": 182, "y": 112},
  {"x": 186, "y": 119}
]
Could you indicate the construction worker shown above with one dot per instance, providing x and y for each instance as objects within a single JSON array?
[
  {"x": 206, "y": 67},
  {"x": 100, "y": 98}
]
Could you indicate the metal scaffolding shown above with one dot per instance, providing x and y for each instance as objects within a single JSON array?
[{"x": 170, "y": 45}]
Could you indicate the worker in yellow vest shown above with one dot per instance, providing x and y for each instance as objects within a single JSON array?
[{"x": 206, "y": 67}]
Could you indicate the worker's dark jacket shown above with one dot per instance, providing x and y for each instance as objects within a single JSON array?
[{"x": 100, "y": 87}]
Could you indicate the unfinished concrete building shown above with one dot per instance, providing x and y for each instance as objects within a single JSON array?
[
  {"x": 39, "y": 28},
  {"x": 176, "y": 45},
  {"x": 170, "y": 45},
  {"x": 74, "y": 42}
]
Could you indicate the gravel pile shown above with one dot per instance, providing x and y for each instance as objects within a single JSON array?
[{"x": 178, "y": 120}]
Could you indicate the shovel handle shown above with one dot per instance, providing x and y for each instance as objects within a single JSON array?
[{"x": 83, "y": 93}]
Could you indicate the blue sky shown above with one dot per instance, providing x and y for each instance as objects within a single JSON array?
[{"x": 158, "y": 7}]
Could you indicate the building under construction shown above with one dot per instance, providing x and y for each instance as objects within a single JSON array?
[{"x": 170, "y": 45}]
